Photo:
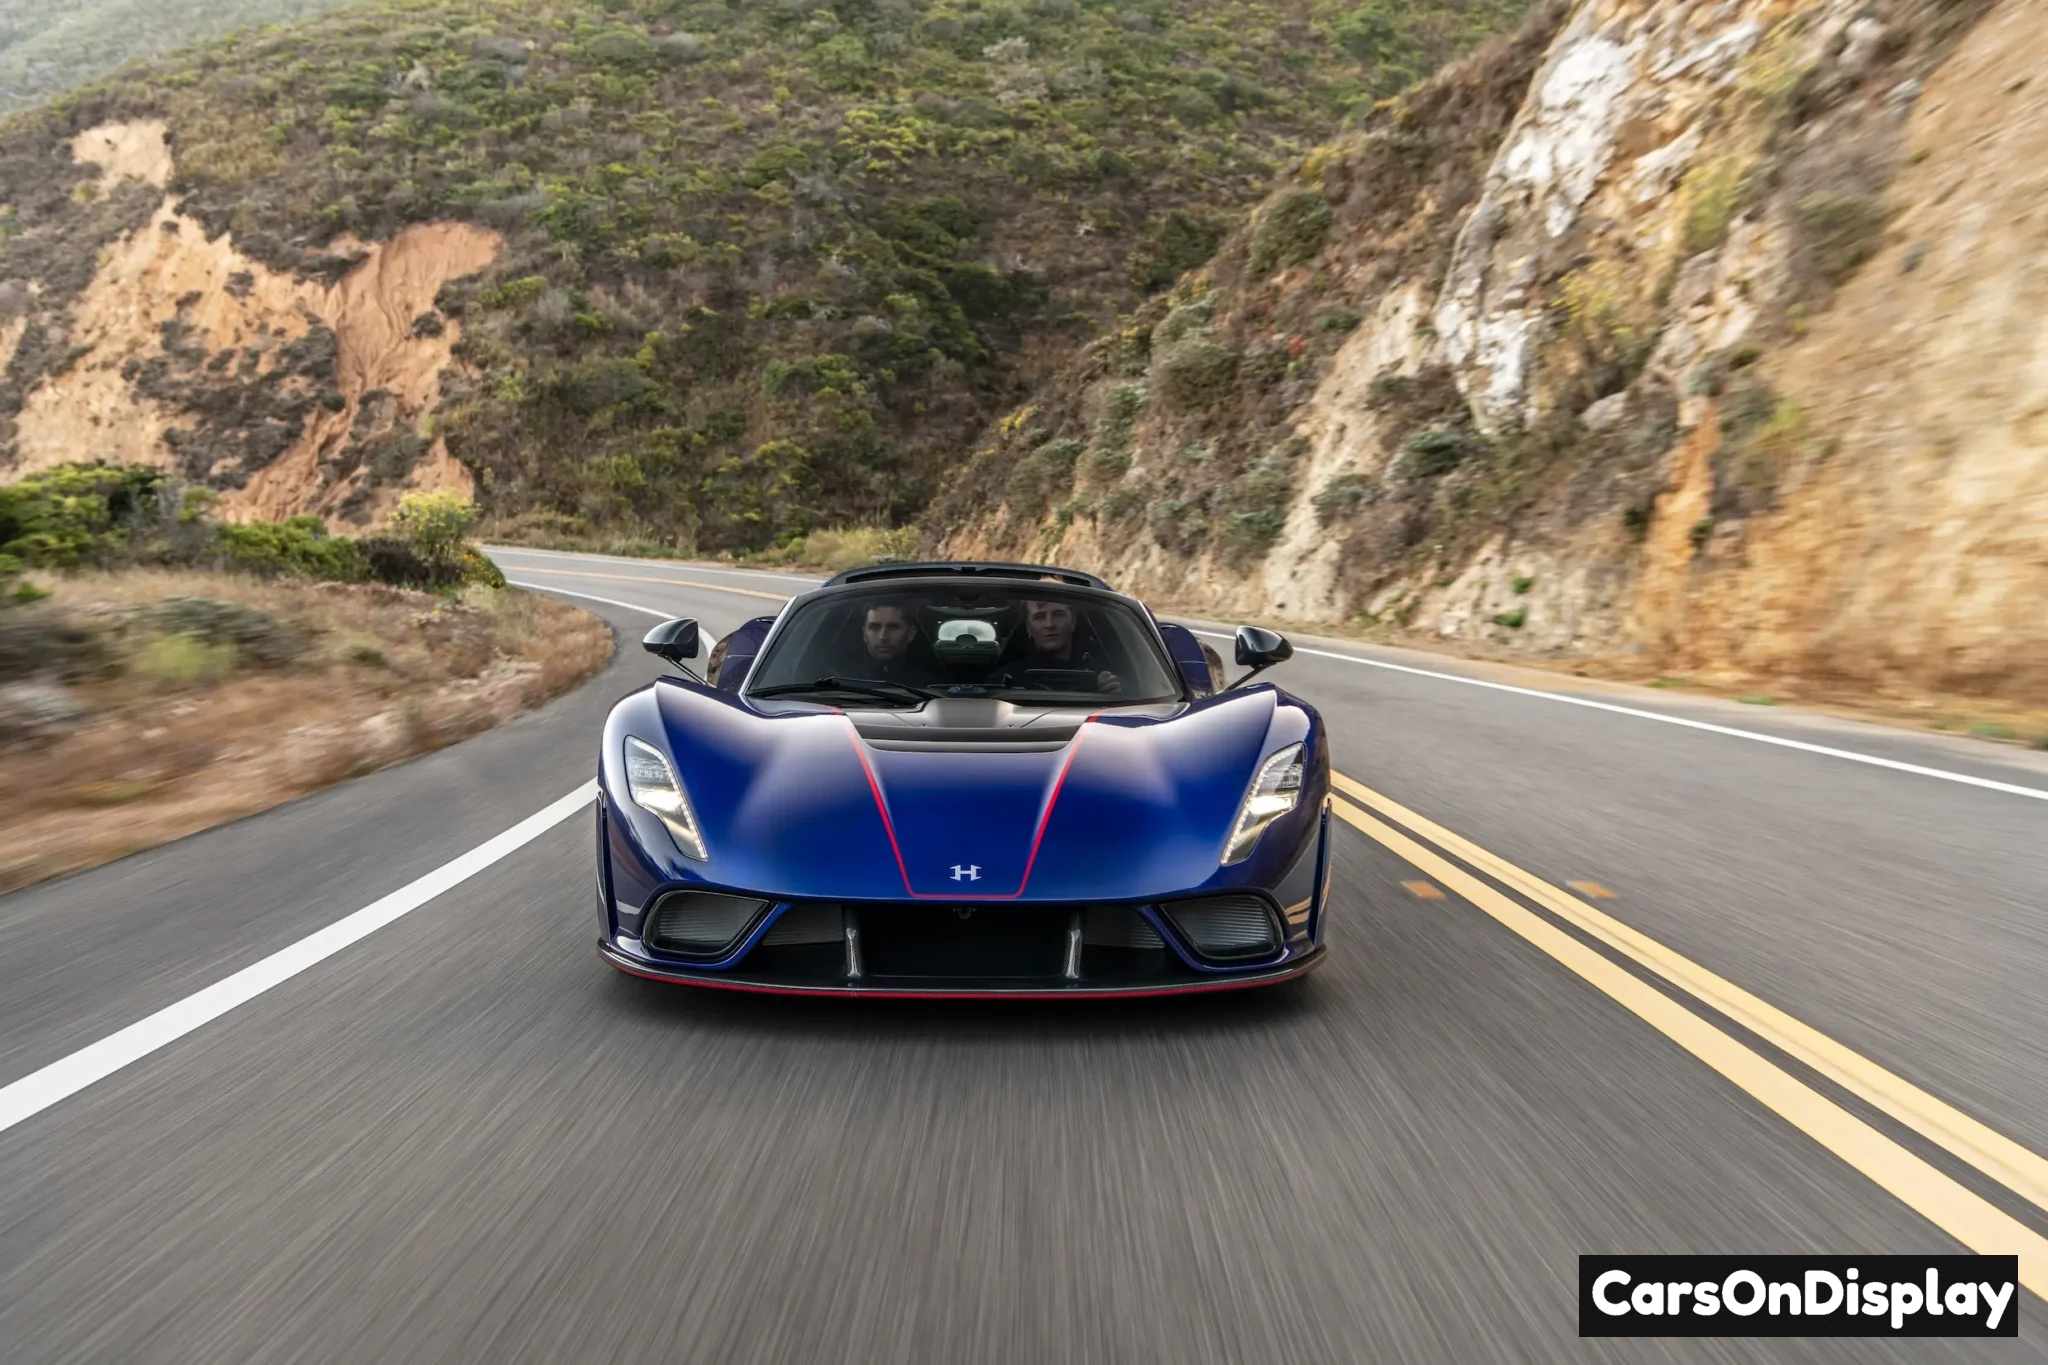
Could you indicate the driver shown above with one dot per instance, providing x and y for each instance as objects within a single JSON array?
[
  {"x": 887, "y": 634},
  {"x": 1049, "y": 628}
]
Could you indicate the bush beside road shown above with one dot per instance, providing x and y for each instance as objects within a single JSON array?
[{"x": 161, "y": 673}]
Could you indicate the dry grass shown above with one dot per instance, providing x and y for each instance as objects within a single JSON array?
[{"x": 385, "y": 675}]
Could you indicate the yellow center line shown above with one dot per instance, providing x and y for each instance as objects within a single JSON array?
[
  {"x": 651, "y": 578},
  {"x": 2022, "y": 1171},
  {"x": 1956, "y": 1210}
]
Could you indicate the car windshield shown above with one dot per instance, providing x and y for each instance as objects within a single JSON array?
[{"x": 1018, "y": 641}]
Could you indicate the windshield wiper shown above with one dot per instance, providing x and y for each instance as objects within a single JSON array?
[{"x": 880, "y": 688}]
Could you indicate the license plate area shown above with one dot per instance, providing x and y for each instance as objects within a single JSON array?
[{"x": 985, "y": 943}]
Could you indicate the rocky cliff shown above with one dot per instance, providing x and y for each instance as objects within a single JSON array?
[
  {"x": 1707, "y": 335},
  {"x": 186, "y": 354}
]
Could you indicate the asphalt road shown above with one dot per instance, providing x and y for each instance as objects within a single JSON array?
[{"x": 1600, "y": 983}]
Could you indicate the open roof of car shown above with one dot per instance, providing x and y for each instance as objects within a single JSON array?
[{"x": 965, "y": 568}]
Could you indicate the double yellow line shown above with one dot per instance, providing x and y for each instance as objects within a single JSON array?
[{"x": 1964, "y": 1215}]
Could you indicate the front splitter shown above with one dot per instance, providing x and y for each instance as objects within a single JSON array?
[{"x": 1289, "y": 971}]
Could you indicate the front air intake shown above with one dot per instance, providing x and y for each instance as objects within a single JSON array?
[
  {"x": 1226, "y": 928},
  {"x": 701, "y": 924}
]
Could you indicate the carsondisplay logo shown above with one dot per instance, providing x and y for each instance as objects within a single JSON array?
[{"x": 1812, "y": 1294}]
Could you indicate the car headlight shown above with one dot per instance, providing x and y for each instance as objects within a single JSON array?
[
  {"x": 653, "y": 785},
  {"x": 1273, "y": 793}
]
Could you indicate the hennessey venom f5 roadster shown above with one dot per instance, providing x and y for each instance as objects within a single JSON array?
[{"x": 963, "y": 779}]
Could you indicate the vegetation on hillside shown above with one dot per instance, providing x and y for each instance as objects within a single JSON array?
[
  {"x": 46, "y": 47},
  {"x": 1205, "y": 381},
  {"x": 81, "y": 517},
  {"x": 768, "y": 267}
]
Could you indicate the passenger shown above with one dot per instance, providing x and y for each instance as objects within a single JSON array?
[
  {"x": 1050, "y": 629},
  {"x": 890, "y": 638}
]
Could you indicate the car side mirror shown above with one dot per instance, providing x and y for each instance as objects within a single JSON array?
[
  {"x": 673, "y": 642},
  {"x": 1259, "y": 649}
]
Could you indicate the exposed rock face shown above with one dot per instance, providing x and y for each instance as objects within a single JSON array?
[
  {"x": 1744, "y": 324},
  {"x": 293, "y": 395}
]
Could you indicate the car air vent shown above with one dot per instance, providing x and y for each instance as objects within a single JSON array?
[
  {"x": 1043, "y": 735},
  {"x": 1226, "y": 928},
  {"x": 806, "y": 922},
  {"x": 701, "y": 924},
  {"x": 1118, "y": 926}
]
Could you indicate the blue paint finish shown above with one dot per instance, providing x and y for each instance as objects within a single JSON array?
[
  {"x": 967, "y": 810},
  {"x": 1187, "y": 657},
  {"x": 741, "y": 648}
]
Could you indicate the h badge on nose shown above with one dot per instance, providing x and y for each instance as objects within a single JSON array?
[{"x": 970, "y": 873}]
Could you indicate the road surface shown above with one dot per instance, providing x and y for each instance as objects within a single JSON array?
[{"x": 1612, "y": 972}]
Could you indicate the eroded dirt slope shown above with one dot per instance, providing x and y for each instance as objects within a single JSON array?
[{"x": 292, "y": 394}]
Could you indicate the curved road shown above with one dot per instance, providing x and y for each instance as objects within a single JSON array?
[{"x": 1612, "y": 972}]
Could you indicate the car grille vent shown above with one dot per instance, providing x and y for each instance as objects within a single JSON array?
[
  {"x": 1226, "y": 927},
  {"x": 1118, "y": 926},
  {"x": 806, "y": 922},
  {"x": 701, "y": 923}
]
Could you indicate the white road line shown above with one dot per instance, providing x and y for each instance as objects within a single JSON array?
[
  {"x": 37, "y": 1091},
  {"x": 655, "y": 563},
  {"x": 588, "y": 597},
  {"x": 2009, "y": 788}
]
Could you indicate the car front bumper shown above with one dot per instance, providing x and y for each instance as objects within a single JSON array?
[{"x": 912, "y": 988}]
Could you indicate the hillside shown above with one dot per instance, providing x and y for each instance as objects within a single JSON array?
[
  {"x": 703, "y": 273},
  {"x": 46, "y": 48},
  {"x": 1704, "y": 338}
]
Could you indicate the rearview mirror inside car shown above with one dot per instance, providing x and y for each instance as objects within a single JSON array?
[{"x": 673, "y": 641}]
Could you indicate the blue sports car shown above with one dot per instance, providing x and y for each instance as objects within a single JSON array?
[{"x": 963, "y": 779}]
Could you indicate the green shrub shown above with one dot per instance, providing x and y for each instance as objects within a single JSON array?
[
  {"x": 683, "y": 47},
  {"x": 1196, "y": 371},
  {"x": 184, "y": 661},
  {"x": 1437, "y": 451},
  {"x": 1122, "y": 505},
  {"x": 396, "y": 563},
  {"x": 1512, "y": 620},
  {"x": 1047, "y": 469},
  {"x": 299, "y": 547},
  {"x": 1183, "y": 319},
  {"x": 76, "y": 514},
  {"x": 1343, "y": 495},
  {"x": 1175, "y": 244},
  {"x": 1256, "y": 504},
  {"x": 1107, "y": 464},
  {"x": 1179, "y": 524},
  {"x": 620, "y": 47},
  {"x": 1193, "y": 107},
  {"x": 1290, "y": 230},
  {"x": 434, "y": 524},
  {"x": 1126, "y": 405},
  {"x": 1711, "y": 194},
  {"x": 46, "y": 643},
  {"x": 851, "y": 547},
  {"x": 251, "y": 634}
]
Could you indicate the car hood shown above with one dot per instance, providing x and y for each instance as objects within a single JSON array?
[{"x": 1009, "y": 803}]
